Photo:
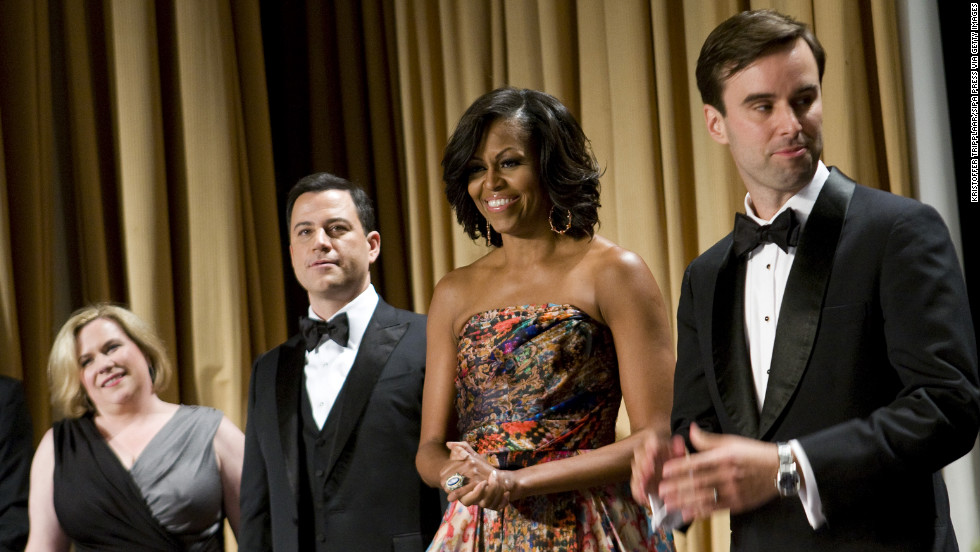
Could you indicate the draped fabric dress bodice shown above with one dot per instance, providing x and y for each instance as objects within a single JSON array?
[
  {"x": 170, "y": 499},
  {"x": 535, "y": 384}
]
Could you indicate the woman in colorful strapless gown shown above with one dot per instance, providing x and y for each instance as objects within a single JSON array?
[{"x": 532, "y": 347}]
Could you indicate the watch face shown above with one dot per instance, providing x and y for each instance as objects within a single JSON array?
[{"x": 789, "y": 481}]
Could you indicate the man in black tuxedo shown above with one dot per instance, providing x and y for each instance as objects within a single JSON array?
[
  {"x": 827, "y": 363},
  {"x": 16, "y": 451},
  {"x": 334, "y": 412}
]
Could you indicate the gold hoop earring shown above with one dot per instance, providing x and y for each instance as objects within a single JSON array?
[
  {"x": 568, "y": 221},
  {"x": 487, "y": 235}
]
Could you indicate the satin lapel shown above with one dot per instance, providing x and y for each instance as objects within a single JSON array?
[
  {"x": 380, "y": 338},
  {"x": 289, "y": 377},
  {"x": 733, "y": 371},
  {"x": 799, "y": 314}
]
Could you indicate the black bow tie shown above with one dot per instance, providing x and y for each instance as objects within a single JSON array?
[
  {"x": 314, "y": 330},
  {"x": 784, "y": 232}
]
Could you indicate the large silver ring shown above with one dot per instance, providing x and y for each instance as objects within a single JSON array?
[{"x": 454, "y": 482}]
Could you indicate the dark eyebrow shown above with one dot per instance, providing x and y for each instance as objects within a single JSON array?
[
  {"x": 505, "y": 151},
  {"x": 304, "y": 223},
  {"x": 500, "y": 154},
  {"x": 807, "y": 88},
  {"x": 751, "y": 98}
]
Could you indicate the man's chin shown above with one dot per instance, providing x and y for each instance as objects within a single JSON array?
[
  {"x": 320, "y": 286},
  {"x": 801, "y": 172}
]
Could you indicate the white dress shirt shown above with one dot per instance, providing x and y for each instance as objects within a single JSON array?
[
  {"x": 766, "y": 272},
  {"x": 329, "y": 363}
]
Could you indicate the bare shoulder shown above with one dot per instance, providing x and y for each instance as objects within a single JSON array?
[
  {"x": 453, "y": 283},
  {"x": 456, "y": 290},
  {"x": 43, "y": 464},
  {"x": 449, "y": 291},
  {"x": 625, "y": 288},
  {"x": 229, "y": 444},
  {"x": 228, "y": 431},
  {"x": 46, "y": 446},
  {"x": 613, "y": 263}
]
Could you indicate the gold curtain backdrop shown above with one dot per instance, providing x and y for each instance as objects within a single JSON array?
[{"x": 137, "y": 156}]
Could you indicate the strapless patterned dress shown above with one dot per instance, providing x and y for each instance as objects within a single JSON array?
[{"x": 539, "y": 383}]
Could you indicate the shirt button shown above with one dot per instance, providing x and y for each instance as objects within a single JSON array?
[
  {"x": 768, "y": 266},
  {"x": 767, "y": 319}
]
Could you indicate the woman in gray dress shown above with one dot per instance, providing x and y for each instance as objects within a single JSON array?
[{"x": 125, "y": 470}]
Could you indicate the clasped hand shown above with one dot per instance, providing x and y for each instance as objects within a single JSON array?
[
  {"x": 724, "y": 472},
  {"x": 483, "y": 484}
]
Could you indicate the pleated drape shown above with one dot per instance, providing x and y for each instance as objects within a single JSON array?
[
  {"x": 28, "y": 182},
  {"x": 138, "y": 169}
]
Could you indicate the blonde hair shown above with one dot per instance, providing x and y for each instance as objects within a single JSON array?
[{"x": 67, "y": 393}]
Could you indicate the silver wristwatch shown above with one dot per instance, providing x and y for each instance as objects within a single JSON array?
[{"x": 788, "y": 477}]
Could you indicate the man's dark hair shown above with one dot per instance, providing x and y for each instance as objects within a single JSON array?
[
  {"x": 568, "y": 171},
  {"x": 742, "y": 39},
  {"x": 321, "y": 182}
]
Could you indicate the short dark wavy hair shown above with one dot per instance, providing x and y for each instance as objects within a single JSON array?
[
  {"x": 742, "y": 39},
  {"x": 321, "y": 182},
  {"x": 568, "y": 170}
]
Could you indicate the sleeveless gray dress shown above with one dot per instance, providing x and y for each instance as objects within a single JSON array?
[
  {"x": 171, "y": 498},
  {"x": 179, "y": 478}
]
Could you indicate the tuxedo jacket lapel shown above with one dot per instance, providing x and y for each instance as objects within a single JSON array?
[
  {"x": 733, "y": 369},
  {"x": 380, "y": 338},
  {"x": 799, "y": 314},
  {"x": 289, "y": 377}
]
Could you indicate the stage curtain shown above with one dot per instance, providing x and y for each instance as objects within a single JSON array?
[{"x": 137, "y": 169}]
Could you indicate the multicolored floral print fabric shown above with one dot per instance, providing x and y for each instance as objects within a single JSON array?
[{"x": 538, "y": 383}]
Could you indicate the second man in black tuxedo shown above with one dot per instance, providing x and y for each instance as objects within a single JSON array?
[
  {"x": 828, "y": 338},
  {"x": 334, "y": 412}
]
